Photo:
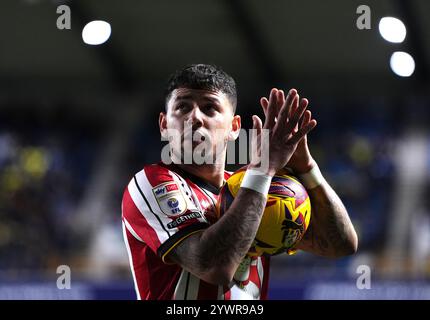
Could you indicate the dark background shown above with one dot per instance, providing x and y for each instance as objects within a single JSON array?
[{"x": 77, "y": 121}]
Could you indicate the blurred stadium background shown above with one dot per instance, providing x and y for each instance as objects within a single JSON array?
[{"x": 76, "y": 121}]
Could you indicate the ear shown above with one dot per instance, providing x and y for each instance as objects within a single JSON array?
[
  {"x": 235, "y": 128},
  {"x": 162, "y": 122}
]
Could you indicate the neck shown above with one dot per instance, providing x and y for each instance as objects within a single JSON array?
[{"x": 211, "y": 173}]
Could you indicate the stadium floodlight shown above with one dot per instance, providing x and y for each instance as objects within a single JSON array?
[
  {"x": 96, "y": 32},
  {"x": 392, "y": 29},
  {"x": 402, "y": 64}
]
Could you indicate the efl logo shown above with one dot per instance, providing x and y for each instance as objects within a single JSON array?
[{"x": 173, "y": 203}]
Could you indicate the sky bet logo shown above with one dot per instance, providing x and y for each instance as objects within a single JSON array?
[{"x": 163, "y": 190}]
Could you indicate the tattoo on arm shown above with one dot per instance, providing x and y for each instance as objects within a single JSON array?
[
  {"x": 227, "y": 241},
  {"x": 330, "y": 232}
]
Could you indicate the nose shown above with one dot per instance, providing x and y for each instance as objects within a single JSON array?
[{"x": 196, "y": 118}]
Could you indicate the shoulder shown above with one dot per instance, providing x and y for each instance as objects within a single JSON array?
[
  {"x": 155, "y": 178},
  {"x": 155, "y": 174},
  {"x": 151, "y": 187}
]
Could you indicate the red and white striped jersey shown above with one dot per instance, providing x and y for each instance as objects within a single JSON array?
[{"x": 162, "y": 206}]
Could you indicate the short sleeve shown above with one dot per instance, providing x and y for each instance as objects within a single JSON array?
[{"x": 158, "y": 208}]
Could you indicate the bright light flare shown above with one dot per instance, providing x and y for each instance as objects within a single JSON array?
[
  {"x": 402, "y": 64},
  {"x": 392, "y": 29},
  {"x": 96, "y": 32}
]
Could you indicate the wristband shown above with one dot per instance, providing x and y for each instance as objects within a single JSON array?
[
  {"x": 257, "y": 181},
  {"x": 311, "y": 179}
]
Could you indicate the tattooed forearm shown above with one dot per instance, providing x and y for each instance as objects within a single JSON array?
[
  {"x": 224, "y": 244},
  {"x": 331, "y": 232},
  {"x": 231, "y": 237}
]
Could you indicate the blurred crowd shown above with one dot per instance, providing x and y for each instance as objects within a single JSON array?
[{"x": 44, "y": 167}]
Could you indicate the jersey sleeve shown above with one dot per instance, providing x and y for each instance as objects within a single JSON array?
[{"x": 158, "y": 209}]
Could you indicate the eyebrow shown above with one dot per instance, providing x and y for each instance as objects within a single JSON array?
[{"x": 190, "y": 97}]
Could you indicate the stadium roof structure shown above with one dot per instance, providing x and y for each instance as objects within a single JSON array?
[{"x": 314, "y": 45}]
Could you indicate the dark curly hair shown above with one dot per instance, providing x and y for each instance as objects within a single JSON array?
[{"x": 203, "y": 77}]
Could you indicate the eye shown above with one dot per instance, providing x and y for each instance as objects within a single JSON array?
[
  {"x": 181, "y": 107},
  {"x": 210, "y": 108}
]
